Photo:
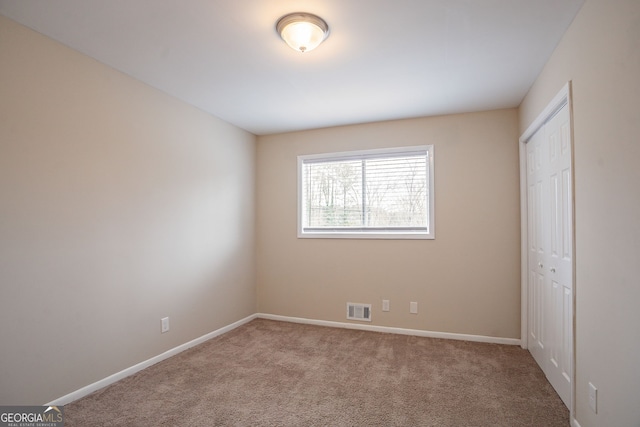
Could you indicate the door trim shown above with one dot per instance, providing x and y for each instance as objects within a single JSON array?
[{"x": 564, "y": 97}]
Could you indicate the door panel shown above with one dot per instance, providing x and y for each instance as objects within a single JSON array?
[{"x": 550, "y": 250}]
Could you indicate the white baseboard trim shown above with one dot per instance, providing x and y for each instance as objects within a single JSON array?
[
  {"x": 574, "y": 422},
  {"x": 392, "y": 330},
  {"x": 84, "y": 391}
]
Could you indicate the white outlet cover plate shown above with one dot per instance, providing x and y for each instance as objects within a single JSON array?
[
  {"x": 413, "y": 307},
  {"x": 593, "y": 398}
]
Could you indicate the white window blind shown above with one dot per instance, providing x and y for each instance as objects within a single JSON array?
[{"x": 375, "y": 192}]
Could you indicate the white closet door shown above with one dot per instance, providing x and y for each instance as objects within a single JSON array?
[
  {"x": 550, "y": 251},
  {"x": 536, "y": 232}
]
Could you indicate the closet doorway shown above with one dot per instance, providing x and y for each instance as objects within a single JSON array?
[{"x": 548, "y": 243}]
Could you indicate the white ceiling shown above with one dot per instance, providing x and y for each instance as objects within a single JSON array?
[{"x": 384, "y": 59}]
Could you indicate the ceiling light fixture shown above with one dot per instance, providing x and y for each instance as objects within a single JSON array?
[{"x": 302, "y": 31}]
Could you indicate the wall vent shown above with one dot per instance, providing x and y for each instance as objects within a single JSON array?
[{"x": 357, "y": 311}]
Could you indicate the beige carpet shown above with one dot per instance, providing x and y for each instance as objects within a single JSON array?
[{"x": 268, "y": 373}]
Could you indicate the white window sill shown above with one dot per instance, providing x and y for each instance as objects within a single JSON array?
[{"x": 377, "y": 235}]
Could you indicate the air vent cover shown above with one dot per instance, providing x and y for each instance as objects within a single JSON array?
[{"x": 357, "y": 311}]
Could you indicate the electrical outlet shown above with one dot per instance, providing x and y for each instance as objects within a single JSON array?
[
  {"x": 385, "y": 305},
  {"x": 413, "y": 307},
  {"x": 164, "y": 325},
  {"x": 593, "y": 398}
]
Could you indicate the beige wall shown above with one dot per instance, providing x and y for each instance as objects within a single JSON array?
[
  {"x": 119, "y": 205},
  {"x": 600, "y": 54},
  {"x": 466, "y": 281}
]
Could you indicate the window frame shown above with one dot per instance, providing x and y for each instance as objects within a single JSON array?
[{"x": 353, "y": 233}]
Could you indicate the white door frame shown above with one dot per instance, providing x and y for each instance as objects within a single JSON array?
[{"x": 563, "y": 97}]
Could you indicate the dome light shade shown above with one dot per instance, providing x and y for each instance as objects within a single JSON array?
[{"x": 302, "y": 31}]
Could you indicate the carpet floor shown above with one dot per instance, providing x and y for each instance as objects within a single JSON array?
[{"x": 268, "y": 373}]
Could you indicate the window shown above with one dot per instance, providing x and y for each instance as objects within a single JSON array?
[{"x": 384, "y": 193}]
